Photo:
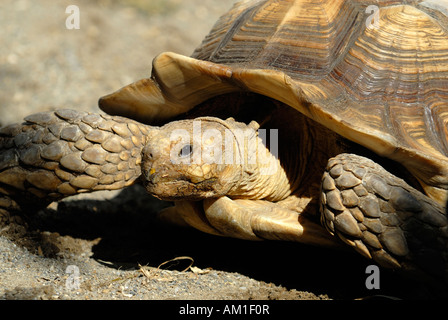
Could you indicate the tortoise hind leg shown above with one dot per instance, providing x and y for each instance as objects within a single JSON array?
[
  {"x": 53, "y": 155},
  {"x": 384, "y": 218}
]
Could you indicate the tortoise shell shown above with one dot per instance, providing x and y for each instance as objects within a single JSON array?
[{"x": 377, "y": 75}]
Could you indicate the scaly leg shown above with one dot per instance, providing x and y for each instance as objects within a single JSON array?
[
  {"x": 384, "y": 218},
  {"x": 57, "y": 154}
]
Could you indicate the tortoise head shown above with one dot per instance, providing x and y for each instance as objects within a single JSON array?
[{"x": 197, "y": 159}]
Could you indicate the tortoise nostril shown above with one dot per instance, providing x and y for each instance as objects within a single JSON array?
[
  {"x": 148, "y": 152},
  {"x": 148, "y": 156}
]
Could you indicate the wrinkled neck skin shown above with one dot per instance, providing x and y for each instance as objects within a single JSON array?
[
  {"x": 295, "y": 168},
  {"x": 264, "y": 179}
]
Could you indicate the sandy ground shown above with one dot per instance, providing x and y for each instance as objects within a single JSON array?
[{"x": 109, "y": 245}]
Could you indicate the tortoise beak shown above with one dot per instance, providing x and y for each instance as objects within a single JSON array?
[{"x": 163, "y": 185}]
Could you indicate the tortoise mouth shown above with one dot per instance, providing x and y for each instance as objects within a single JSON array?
[{"x": 170, "y": 188}]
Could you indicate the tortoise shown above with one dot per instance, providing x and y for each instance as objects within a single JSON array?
[{"x": 355, "y": 101}]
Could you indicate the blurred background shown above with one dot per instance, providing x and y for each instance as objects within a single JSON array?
[{"x": 45, "y": 66}]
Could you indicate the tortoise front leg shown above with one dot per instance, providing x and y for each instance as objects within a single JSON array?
[
  {"x": 258, "y": 220},
  {"x": 57, "y": 154},
  {"x": 382, "y": 217}
]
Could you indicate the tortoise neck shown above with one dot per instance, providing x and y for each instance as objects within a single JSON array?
[
  {"x": 290, "y": 161},
  {"x": 262, "y": 175}
]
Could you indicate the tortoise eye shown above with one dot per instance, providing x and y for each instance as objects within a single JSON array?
[{"x": 186, "y": 151}]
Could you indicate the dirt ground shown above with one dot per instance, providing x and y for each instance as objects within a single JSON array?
[{"x": 109, "y": 245}]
